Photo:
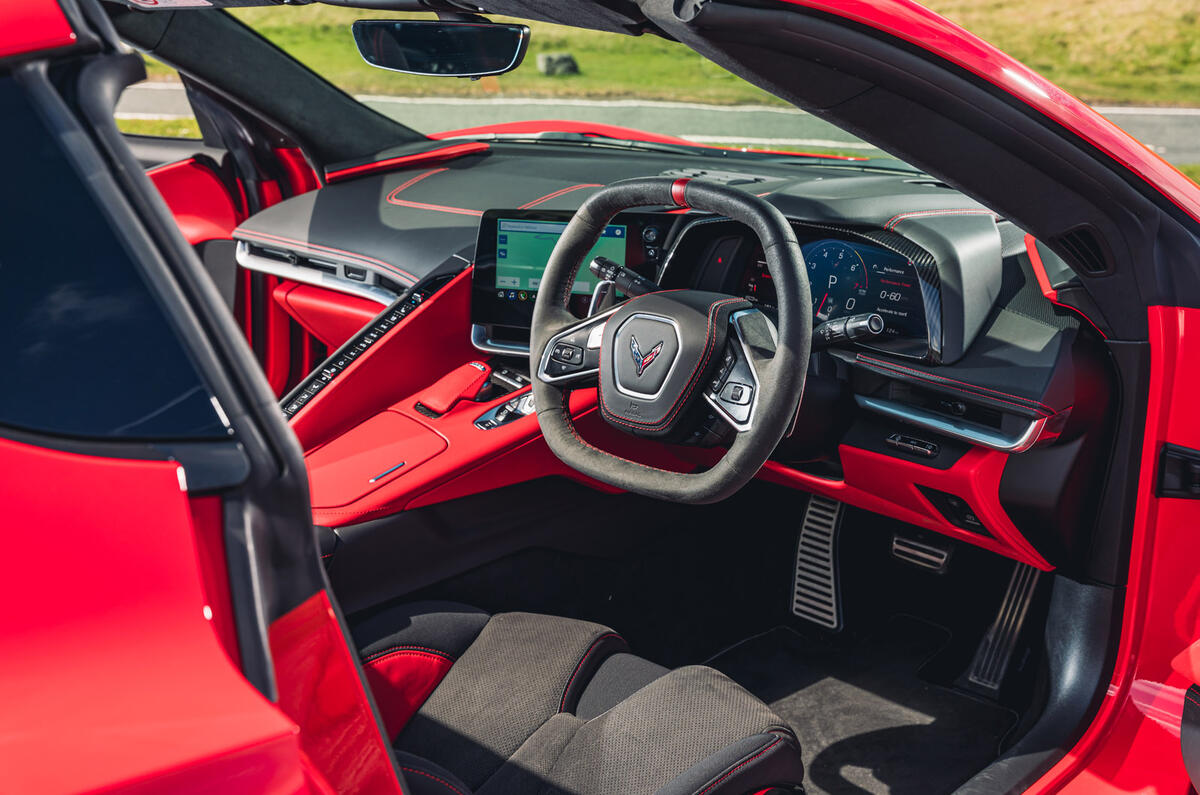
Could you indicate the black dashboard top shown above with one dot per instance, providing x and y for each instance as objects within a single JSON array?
[{"x": 399, "y": 228}]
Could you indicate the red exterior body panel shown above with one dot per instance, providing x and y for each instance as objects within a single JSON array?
[
  {"x": 1133, "y": 742},
  {"x": 110, "y": 674},
  {"x": 30, "y": 25},
  {"x": 320, "y": 690},
  {"x": 907, "y": 20}
]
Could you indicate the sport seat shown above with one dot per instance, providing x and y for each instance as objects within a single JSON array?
[{"x": 525, "y": 703}]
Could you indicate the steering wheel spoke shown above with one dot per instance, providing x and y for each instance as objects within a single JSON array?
[
  {"x": 571, "y": 357},
  {"x": 734, "y": 389}
]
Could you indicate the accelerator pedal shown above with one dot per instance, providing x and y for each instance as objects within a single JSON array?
[
  {"x": 995, "y": 651},
  {"x": 816, "y": 597}
]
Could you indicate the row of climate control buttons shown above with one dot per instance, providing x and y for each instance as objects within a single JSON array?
[{"x": 351, "y": 350}]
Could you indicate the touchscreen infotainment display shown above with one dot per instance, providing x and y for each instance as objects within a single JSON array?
[
  {"x": 514, "y": 246},
  {"x": 523, "y": 249}
]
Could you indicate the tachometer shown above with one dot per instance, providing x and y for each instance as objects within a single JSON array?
[{"x": 838, "y": 279}]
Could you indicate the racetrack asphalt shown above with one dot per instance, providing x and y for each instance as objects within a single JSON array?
[{"x": 1173, "y": 133}]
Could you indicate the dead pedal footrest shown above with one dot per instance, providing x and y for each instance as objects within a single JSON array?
[{"x": 815, "y": 596}]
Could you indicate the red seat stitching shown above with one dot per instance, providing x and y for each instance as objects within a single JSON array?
[
  {"x": 738, "y": 767},
  {"x": 563, "y": 704},
  {"x": 441, "y": 781},
  {"x": 376, "y": 655}
]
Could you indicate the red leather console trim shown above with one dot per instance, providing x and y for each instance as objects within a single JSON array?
[
  {"x": 461, "y": 383},
  {"x": 439, "y": 155},
  {"x": 300, "y": 175},
  {"x": 199, "y": 200},
  {"x": 320, "y": 689},
  {"x": 425, "y": 345},
  {"x": 401, "y": 680},
  {"x": 330, "y": 316},
  {"x": 888, "y": 485},
  {"x": 387, "y": 447}
]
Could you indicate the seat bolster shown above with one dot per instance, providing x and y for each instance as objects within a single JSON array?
[
  {"x": 749, "y": 765},
  {"x": 444, "y": 627},
  {"x": 523, "y": 669},
  {"x": 425, "y": 778}
]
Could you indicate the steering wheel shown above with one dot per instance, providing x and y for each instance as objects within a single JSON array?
[{"x": 673, "y": 365}]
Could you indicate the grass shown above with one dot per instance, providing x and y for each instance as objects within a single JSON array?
[
  {"x": 166, "y": 128},
  {"x": 610, "y": 65},
  {"x": 1142, "y": 52},
  {"x": 1138, "y": 52}
]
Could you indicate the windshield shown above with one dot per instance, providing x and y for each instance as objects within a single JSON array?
[{"x": 644, "y": 83}]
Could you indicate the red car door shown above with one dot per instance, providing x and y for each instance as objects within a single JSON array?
[{"x": 167, "y": 624}]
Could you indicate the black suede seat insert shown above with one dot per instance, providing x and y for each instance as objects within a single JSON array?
[
  {"x": 692, "y": 730},
  {"x": 521, "y": 670}
]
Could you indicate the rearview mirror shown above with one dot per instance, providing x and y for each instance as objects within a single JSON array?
[{"x": 446, "y": 49}]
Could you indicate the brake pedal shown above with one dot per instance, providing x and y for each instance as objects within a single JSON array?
[
  {"x": 816, "y": 597},
  {"x": 995, "y": 651}
]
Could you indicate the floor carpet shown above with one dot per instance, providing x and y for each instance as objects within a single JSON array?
[{"x": 866, "y": 721}]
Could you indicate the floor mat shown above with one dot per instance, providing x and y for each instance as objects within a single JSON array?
[{"x": 866, "y": 721}]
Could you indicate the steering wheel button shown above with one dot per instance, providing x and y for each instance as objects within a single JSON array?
[{"x": 737, "y": 394}]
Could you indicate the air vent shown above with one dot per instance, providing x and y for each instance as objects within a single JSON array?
[
  {"x": 816, "y": 597},
  {"x": 1084, "y": 251}
]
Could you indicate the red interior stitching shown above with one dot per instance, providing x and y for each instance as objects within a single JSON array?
[
  {"x": 942, "y": 378},
  {"x": 378, "y": 655},
  {"x": 563, "y": 704},
  {"x": 739, "y": 766},
  {"x": 441, "y": 781}
]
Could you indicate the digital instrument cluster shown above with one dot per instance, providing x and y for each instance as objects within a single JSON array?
[{"x": 850, "y": 278}]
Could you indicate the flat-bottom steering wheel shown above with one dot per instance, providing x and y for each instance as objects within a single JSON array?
[{"x": 669, "y": 364}]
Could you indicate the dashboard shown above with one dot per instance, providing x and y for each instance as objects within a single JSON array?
[{"x": 850, "y": 272}]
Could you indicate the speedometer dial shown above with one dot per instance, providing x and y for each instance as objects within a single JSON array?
[{"x": 838, "y": 279}]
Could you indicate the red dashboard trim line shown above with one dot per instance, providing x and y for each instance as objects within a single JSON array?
[
  {"x": 557, "y": 193},
  {"x": 438, "y": 155}
]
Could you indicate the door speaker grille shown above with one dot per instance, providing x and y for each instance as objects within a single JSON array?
[{"x": 816, "y": 597}]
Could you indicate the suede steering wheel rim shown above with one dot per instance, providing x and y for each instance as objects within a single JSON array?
[{"x": 780, "y": 362}]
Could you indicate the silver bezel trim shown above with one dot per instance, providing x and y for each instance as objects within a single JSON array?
[
  {"x": 554, "y": 379},
  {"x": 481, "y": 341},
  {"x": 259, "y": 264},
  {"x": 742, "y": 427},
  {"x": 957, "y": 429}
]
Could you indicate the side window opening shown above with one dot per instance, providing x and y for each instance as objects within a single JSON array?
[{"x": 158, "y": 106}]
